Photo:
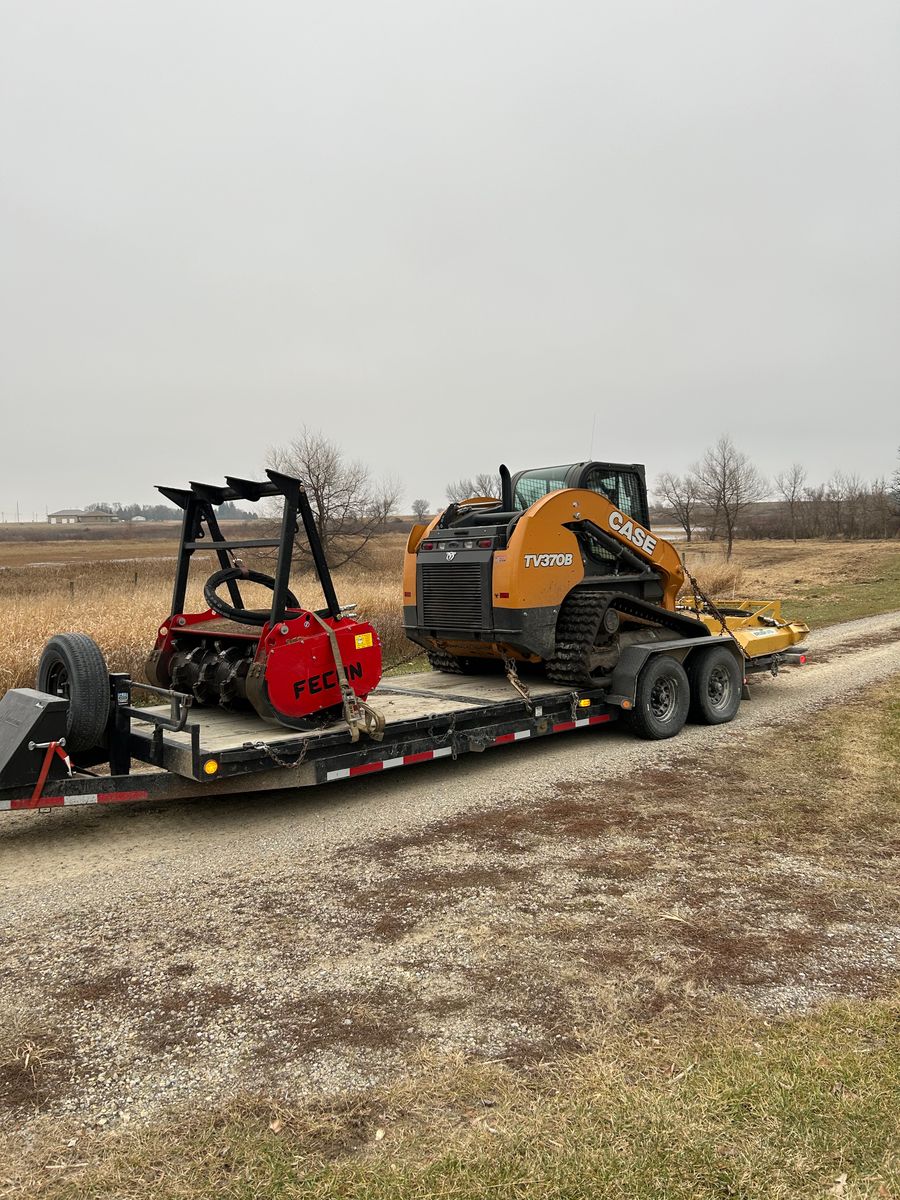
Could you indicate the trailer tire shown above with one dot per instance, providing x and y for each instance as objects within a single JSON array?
[
  {"x": 72, "y": 665},
  {"x": 716, "y": 686},
  {"x": 662, "y": 699}
]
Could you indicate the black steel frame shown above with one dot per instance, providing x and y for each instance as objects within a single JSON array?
[
  {"x": 198, "y": 503},
  {"x": 255, "y": 765}
]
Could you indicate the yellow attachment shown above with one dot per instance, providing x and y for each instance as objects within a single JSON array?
[{"x": 760, "y": 629}]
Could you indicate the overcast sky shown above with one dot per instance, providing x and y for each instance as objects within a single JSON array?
[{"x": 445, "y": 233}]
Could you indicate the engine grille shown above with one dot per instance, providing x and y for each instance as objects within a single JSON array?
[{"x": 455, "y": 595}]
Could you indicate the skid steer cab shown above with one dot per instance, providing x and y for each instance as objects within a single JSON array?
[{"x": 294, "y": 665}]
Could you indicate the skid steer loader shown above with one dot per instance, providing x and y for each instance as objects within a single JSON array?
[{"x": 563, "y": 571}]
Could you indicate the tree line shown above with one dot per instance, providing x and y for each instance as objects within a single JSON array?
[
  {"x": 163, "y": 512},
  {"x": 724, "y": 495}
]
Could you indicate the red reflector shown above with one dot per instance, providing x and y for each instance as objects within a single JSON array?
[
  {"x": 406, "y": 595},
  {"x": 428, "y": 545},
  {"x": 503, "y": 595},
  {"x": 484, "y": 543},
  {"x": 802, "y": 659}
]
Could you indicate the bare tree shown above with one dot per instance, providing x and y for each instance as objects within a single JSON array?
[
  {"x": 349, "y": 507},
  {"x": 485, "y": 484},
  {"x": 729, "y": 483},
  {"x": 835, "y": 500},
  {"x": 681, "y": 493},
  {"x": 421, "y": 509},
  {"x": 790, "y": 485},
  {"x": 813, "y": 511},
  {"x": 880, "y": 509}
]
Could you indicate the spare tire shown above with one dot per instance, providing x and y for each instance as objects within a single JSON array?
[{"x": 72, "y": 665}]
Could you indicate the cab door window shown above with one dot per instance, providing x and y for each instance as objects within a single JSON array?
[{"x": 621, "y": 488}]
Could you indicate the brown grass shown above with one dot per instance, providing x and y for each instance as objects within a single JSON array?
[
  {"x": 118, "y": 590},
  {"x": 820, "y": 582},
  {"x": 121, "y": 603}
]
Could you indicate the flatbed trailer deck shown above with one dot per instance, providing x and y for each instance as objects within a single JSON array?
[
  {"x": 175, "y": 751},
  {"x": 427, "y": 717}
]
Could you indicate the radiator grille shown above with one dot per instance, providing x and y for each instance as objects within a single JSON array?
[{"x": 455, "y": 595}]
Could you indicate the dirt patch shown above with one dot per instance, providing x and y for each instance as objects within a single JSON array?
[
  {"x": 177, "y": 1016},
  {"x": 865, "y": 641},
  {"x": 107, "y": 987},
  {"x": 34, "y": 1072},
  {"x": 393, "y": 905},
  {"x": 378, "y": 1019}
]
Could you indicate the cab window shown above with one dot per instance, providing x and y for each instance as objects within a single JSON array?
[
  {"x": 532, "y": 485},
  {"x": 621, "y": 488}
]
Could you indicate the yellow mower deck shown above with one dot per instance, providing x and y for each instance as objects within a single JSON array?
[{"x": 759, "y": 627}]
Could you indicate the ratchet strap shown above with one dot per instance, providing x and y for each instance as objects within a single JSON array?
[{"x": 357, "y": 713}]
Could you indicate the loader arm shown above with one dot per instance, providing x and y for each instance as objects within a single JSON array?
[{"x": 578, "y": 526}]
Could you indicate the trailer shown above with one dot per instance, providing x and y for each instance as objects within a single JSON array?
[
  {"x": 292, "y": 696},
  {"x": 175, "y": 751}
]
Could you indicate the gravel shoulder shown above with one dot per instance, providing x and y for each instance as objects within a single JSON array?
[
  {"x": 495, "y": 906},
  {"x": 105, "y": 845}
]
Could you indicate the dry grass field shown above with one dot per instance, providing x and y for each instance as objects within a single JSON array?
[
  {"x": 117, "y": 590},
  {"x": 820, "y": 582}
]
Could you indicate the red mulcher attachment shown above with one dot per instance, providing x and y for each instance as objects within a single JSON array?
[{"x": 297, "y": 667}]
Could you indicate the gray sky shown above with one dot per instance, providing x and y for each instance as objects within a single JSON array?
[{"x": 445, "y": 233}]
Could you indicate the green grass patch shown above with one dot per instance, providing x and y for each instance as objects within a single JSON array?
[
  {"x": 848, "y": 599},
  {"x": 739, "y": 1110}
]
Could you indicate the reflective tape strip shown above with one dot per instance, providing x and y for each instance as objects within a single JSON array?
[
  {"x": 366, "y": 768},
  {"x": 70, "y": 801},
  {"x": 512, "y": 737},
  {"x": 563, "y": 726},
  {"x": 386, "y": 764}
]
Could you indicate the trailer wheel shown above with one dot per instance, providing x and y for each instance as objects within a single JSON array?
[
  {"x": 662, "y": 699},
  {"x": 715, "y": 678},
  {"x": 72, "y": 665}
]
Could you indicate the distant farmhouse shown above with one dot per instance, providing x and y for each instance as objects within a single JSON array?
[{"x": 78, "y": 516}]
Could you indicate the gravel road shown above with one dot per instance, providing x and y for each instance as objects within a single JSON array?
[
  {"x": 184, "y": 950},
  {"x": 102, "y": 847}
]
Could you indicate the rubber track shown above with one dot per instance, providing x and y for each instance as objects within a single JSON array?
[
  {"x": 576, "y": 632},
  {"x": 578, "y": 623}
]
